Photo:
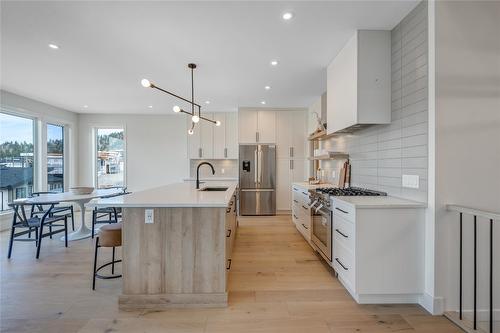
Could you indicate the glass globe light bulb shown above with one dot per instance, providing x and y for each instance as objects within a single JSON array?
[
  {"x": 217, "y": 123},
  {"x": 190, "y": 131},
  {"x": 145, "y": 83},
  {"x": 176, "y": 109},
  {"x": 195, "y": 119}
]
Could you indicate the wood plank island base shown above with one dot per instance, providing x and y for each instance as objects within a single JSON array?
[{"x": 182, "y": 259}]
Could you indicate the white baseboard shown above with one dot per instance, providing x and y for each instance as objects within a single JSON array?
[
  {"x": 433, "y": 305},
  {"x": 388, "y": 298}
]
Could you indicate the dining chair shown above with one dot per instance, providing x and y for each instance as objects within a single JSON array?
[
  {"x": 58, "y": 209},
  {"x": 36, "y": 224}
]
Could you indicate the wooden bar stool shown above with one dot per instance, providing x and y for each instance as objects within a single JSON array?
[{"x": 110, "y": 235}]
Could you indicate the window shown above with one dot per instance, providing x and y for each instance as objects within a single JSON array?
[
  {"x": 16, "y": 158},
  {"x": 110, "y": 157},
  {"x": 55, "y": 158}
]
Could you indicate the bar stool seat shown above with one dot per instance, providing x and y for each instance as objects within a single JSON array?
[{"x": 109, "y": 235}]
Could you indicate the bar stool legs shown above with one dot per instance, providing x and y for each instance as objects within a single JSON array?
[{"x": 97, "y": 269}]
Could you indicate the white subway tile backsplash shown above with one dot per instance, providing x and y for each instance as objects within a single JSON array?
[
  {"x": 416, "y": 151},
  {"x": 414, "y": 119},
  {"x": 415, "y": 140},
  {"x": 381, "y": 154},
  {"x": 414, "y": 162},
  {"x": 414, "y": 130}
]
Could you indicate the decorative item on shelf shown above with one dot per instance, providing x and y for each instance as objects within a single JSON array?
[
  {"x": 195, "y": 116},
  {"x": 313, "y": 181}
]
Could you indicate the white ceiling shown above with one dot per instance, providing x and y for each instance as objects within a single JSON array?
[{"x": 107, "y": 47}]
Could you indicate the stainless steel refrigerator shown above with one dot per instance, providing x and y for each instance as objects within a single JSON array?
[{"x": 257, "y": 179}]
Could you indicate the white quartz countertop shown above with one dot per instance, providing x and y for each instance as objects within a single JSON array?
[
  {"x": 173, "y": 195},
  {"x": 380, "y": 202},
  {"x": 307, "y": 186}
]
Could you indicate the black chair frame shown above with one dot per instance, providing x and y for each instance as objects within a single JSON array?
[
  {"x": 97, "y": 269},
  {"x": 36, "y": 224}
]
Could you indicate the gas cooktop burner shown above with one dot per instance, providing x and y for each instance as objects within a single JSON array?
[{"x": 351, "y": 191}]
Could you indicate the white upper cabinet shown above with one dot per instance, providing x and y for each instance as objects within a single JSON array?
[
  {"x": 266, "y": 129},
  {"x": 226, "y": 136},
  {"x": 247, "y": 128},
  {"x": 202, "y": 140},
  {"x": 359, "y": 82},
  {"x": 206, "y": 137},
  {"x": 257, "y": 126},
  {"x": 220, "y": 136},
  {"x": 215, "y": 142},
  {"x": 232, "y": 135},
  {"x": 291, "y": 134}
]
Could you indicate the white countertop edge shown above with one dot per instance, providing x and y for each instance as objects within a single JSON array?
[
  {"x": 381, "y": 202},
  {"x": 141, "y": 203},
  {"x": 211, "y": 179}
]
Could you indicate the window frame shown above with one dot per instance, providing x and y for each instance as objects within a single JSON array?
[
  {"x": 36, "y": 147},
  {"x": 95, "y": 130},
  {"x": 64, "y": 159}
]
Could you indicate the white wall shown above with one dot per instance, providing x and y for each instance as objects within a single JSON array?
[
  {"x": 467, "y": 140},
  {"x": 156, "y": 148},
  {"x": 44, "y": 113}
]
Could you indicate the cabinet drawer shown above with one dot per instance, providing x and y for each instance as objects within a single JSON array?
[
  {"x": 343, "y": 209},
  {"x": 343, "y": 262},
  {"x": 343, "y": 232},
  {"x": 300, "y": 195},
  {"x": 304, "y": 230}
]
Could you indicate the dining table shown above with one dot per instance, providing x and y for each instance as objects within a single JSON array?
[{"x": 80, "y": 199}]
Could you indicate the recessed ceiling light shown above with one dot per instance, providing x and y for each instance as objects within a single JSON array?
[
  {"x": 150, "y": 106},
  {"x": 207, "y": 102},
  {"x": 274, "y": 62},
  {"x": 267, "y": 87},
  {"x": 53, "y": 46},
  {"x": 263, "y": 102},
  {"x": 287, "y": 16},
  {"x": 85, "y": 106}
]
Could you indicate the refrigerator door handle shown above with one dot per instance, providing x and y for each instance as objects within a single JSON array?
[
  {"x": 260, "y": 166},
  {"x": 255, "y": 167}
]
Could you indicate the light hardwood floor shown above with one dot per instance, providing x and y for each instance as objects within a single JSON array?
[{"x": 277, "y": 284}]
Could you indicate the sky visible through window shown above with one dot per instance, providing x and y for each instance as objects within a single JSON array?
[{"x": 14, "y": 128}]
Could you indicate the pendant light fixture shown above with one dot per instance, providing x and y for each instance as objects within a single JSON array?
[{"x": 195, "y": 116}]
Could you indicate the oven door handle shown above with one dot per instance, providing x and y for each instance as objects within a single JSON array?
[{"x": 319, "y": 207}]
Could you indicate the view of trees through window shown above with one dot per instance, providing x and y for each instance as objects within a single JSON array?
[
  {"x": 16, "y": 158},
  {"x": 55, "y": 158},
  {"x": 110, "y": 157}
]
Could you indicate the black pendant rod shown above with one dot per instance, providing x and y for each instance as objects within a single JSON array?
[
  {"x": 192, "y": 66},
  {"x": 179, "y": 97}
]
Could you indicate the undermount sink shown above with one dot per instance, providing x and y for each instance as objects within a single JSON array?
[{"x": 219, "y": 189}]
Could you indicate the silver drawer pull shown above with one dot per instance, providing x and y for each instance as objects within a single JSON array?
[
  {"x": 341, "y": 264},
  {"x": 295, "y": 201},
  {"x": 228, "y": 266},
  {"x": 341, "y": 210},
  {"x": 229, "y": 233},
  {"x": 305, "y": 226},
  {"x": 295, "y": 216},
  {"x": 340, "y": 232},
  {"x": 305, "y": 207}
]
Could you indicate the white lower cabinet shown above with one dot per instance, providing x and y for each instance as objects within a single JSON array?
[
  {"x": 287, "y": 172},
  {"x": 378, "y": 252},
  {"x": 301, "y": 213}
]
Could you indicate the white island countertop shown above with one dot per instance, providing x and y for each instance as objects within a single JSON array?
[
  {"x": 173, "y": 195},
  {"x": 380, "y": 202}
]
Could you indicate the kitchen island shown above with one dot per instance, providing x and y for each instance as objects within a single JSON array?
[{"x": 181, "y": 255}]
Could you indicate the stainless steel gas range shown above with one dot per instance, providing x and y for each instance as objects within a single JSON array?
[{"x": 322, "y": 217}]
